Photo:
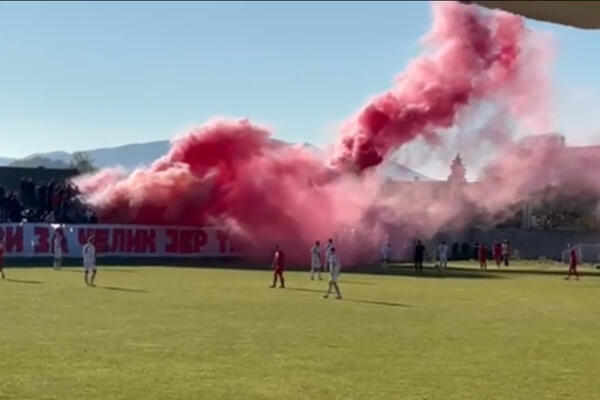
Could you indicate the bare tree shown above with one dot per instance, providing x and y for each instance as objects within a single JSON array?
[{"x": 82, "y": 162}]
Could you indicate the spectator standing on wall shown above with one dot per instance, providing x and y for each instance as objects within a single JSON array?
[{"x": 419, "y": 255}]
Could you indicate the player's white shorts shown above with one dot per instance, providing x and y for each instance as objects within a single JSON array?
[
  {"x": 315, "y": 263},
  {"x": 58, "y": 255},
  {"x": 334, "y": 275},
  {"x": 89, "y": 266}
]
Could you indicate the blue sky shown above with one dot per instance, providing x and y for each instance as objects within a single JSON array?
[{"x": 85, "y": 75}]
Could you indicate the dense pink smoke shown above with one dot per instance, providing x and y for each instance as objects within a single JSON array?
[
  {"x": 476, "y": 56},
  {"x": 230, "y": 173}
]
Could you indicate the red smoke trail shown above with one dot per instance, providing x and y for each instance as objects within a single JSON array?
[
  {"x": 229, "y": 173},
  {"x": 477, "y": 56}
]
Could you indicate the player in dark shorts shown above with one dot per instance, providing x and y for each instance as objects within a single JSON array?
[
  {"x": 482, "y": 256},
  {"x": 419, "y": 255},
  {"x": 278, "y": 267},
  {"x": 573, "y": 261}
]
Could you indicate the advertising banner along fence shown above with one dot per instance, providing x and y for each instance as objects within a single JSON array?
[{"x": 35, "y": 240}]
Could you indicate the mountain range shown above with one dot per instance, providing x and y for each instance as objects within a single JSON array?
[{"x": 134, "y": 155}]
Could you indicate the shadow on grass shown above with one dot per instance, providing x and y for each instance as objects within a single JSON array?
[
  {"x": 532, "y": 271},
  {"x": 112, "y": 269},
  {"x": 378, "y": 303},
  {"x": 372, "y": 302},
  {"x": 431, "y": 272},
  {"x": 307, "y": 290},
  {"x": 24, "y": 281},
  {"x": 120, "y": 289},
  {"x": 100, "y": 270},
  {"x": 343, "y": 282}
]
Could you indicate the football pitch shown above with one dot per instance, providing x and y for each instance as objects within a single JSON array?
[{"x": 182, "y": 333}]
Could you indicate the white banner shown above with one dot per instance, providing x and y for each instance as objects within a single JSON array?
[{"x": 35, "y": 240}]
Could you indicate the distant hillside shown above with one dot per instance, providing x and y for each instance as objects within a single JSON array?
[
  {"x": 5, "y": 161},
  {"x": 128, "y": 156},
  {"x": 39, "y": 161},
  {"x": 134, "y": 155}
]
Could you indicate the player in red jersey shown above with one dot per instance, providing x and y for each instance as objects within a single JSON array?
[
  {"x": 482, "y": 252},
  {"x": 573, "y": 261},
  {"x": 498, "y": 253},
  {"x": 2, "y": 259},
  {"x": 279, "y": 266}
]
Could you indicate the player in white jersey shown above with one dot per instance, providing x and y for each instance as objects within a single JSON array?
[
  {"x": 328, "y": 253},
  {"x": 334, "y": 273},
  {"x": 442, "y": 251},
  {"x": 386, "y": 253},
  {"x": 57, "y": 250},
  {"x": 316, "y": 265},
  {"x": 89, "y": 261}
]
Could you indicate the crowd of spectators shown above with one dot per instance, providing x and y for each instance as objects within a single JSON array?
[{"x": 44, "y": 202}]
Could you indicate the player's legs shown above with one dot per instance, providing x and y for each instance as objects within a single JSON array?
[
  {"x": 572, "y": 271},
  {"x": 569, "y": 272},
  {"x": 315, "y": 269},
  {"x": 282, "y": 285},
  {"x": 85, "y": 277},
  {"x": 337, "y": 290},
  {"x": 93, "y": 277},
  {"x": 2, "y": 272},
  {"x": 274, "y": 279},
  {"x": 329, "y": 290}
]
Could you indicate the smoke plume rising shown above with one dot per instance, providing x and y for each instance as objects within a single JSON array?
[{"x": 229, "y": 173}]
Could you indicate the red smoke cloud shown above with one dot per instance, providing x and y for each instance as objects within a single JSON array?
[
  {"x": 477, "y": 55},
  {"x": 229, "y": 173}
]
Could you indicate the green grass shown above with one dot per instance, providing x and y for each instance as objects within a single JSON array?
[{"x": 179, "y": 333}]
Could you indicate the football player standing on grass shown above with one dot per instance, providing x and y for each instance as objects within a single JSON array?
[
  {"x": 572, "y": 262},
  {"x": 482, "y": 255},
  {"x": 334, "y": 272},
  {"x": 442, "y": 251},
  {"x": 89, "y": 262},
  {"x": 57, "y": 249},
  {"x": 279, "y": 267},
  {"x": 328, "y": 253},
  {"x": 419, "y": 255},
  {"x": 386, "y": 254},
  {"x": 315, "y": 261}
]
